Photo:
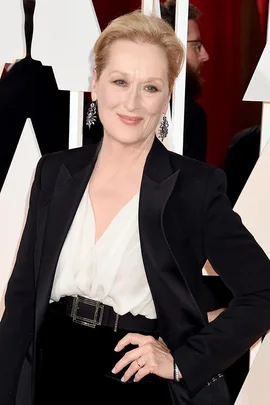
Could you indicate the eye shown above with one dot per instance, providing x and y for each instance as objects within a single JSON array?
[
  {"x": 197, "y": 46},
  {"x": 119, "y": 82},
  {"x": 151, "y": 89}
]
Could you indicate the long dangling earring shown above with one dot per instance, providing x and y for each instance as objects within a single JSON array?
[
  {"x": 91, "y": 115},
  {"x": 163, "y": 128}
]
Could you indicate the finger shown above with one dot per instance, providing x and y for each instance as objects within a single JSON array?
[
  {"x": 163, "y": 344},
  {"x": 133, "y": 339},
  {"x": 133, "y": 368},
  {"x": 128, "y": 358},
  {"x": 142, "y": 372}
]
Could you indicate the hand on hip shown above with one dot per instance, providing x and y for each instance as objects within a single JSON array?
[{"x": 151, "y": 356}]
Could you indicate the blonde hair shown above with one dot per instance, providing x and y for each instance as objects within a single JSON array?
[{"x": 137, "y": 27}]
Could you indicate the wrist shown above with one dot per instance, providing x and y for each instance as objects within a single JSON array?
[{"x": 176, "y": 372}]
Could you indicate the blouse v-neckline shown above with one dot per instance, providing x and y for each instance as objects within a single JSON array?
[{"x": 111, "y": 225}]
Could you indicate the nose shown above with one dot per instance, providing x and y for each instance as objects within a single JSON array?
[
  {"x": 132, "y": 99},
  {"x": 204, "y": 55}
]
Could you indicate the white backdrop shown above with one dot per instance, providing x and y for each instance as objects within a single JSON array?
[{"x": 11, "y": 26}]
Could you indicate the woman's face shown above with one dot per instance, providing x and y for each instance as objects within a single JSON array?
[{"x": 132, "y": 91}]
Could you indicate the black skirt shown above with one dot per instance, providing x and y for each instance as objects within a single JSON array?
[{"x": 74, "y": 364}]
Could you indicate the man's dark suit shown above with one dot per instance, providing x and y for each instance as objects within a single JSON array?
[
  {"x": 184, "y": 218},
  {"x": 29, "y": 90},
  {"x": 195, "y": 130}
]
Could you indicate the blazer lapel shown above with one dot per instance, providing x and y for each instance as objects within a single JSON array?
[
  {"x": 162, "y": 269},
  {"x": 63, "y": 205}
]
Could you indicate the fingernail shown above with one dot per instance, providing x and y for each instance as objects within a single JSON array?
[
  {"x": 116, "y": 349},
  {"x": 114, "y": 371},
  {"x": 123, "y": 379}
]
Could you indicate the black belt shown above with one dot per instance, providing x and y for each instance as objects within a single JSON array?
[{"x": 87, "y": 312}]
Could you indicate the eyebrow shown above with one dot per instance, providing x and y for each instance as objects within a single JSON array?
[{"x": 148, "y": 79}]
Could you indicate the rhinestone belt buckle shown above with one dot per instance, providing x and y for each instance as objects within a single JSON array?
[{"x": 98, "y": 314}]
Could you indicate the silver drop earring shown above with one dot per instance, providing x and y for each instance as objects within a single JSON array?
[
  {"x": 91, "y": 115},
  {"x": 163, "y": 128}
]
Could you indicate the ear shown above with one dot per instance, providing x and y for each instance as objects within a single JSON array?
[
  {"x": 166, "y": 105},
  {"x": 94, "y": 86}
]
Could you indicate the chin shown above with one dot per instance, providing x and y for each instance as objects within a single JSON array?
[
  {"x": 127, "y": 139},
  {"x": 125, "y": 136}
]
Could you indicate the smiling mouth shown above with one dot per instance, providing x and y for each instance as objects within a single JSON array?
[{"x": 128, "y": 120}]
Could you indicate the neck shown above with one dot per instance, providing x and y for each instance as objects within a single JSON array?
[{"x": 114, "y": 153}]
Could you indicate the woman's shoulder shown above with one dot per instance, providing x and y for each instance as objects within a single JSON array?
[
  {"x": 192, "y": 167},
  {"x": 68, "y": 156},
  {"x": 72, "y": 160},
  {"x": 196, "y": 175}
]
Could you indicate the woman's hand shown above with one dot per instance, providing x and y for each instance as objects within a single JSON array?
[{"x": 150, "y": 357}]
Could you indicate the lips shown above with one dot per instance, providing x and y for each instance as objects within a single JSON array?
[{"x": 130, "y": 120}]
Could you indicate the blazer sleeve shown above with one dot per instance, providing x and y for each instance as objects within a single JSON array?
[
  {"x": 17, "y": 324},
  {"x": 245, "y": 269}
]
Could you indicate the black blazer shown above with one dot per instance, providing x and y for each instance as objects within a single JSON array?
[{"x": 184, "y": 218}]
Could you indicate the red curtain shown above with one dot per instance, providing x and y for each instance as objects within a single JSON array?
[
  {"x": 221, "y": 34},
  {"x": 107, "y": 10},
  {"x": 263, "y": 13}
]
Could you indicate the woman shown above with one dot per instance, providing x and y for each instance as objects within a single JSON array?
[{"x": 107, "y": 284}]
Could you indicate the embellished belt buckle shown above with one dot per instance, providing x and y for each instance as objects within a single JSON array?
[{"x": 98, "y": 314}]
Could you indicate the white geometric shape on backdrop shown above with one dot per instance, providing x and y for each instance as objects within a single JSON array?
[
  {"x": 156, "y": 8},
  {"x": 14, "y": 202},
  {"x": 254, "y": 201},
  {"x": 76, "y": 119},
  {"x": 151, "y": 7},
  {"x": 65, "y": 32},
  {"x": 168, "y": 141},
  {"x": 11, "y": 31},
  {"x": 178, "y": 105},
  {"x": 259, "y": 86},
  {"x": 259, "y": 89},
  {"x": 265, "y": 126}
]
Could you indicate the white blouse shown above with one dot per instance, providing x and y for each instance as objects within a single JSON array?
[{"x": 111, "y": 270}]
